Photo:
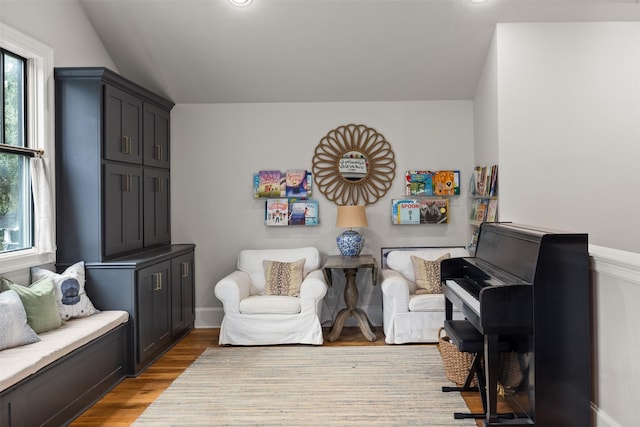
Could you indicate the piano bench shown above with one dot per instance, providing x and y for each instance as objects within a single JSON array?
[{"x": 467, "y": 338}]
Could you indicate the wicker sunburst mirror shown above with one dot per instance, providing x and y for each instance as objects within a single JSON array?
[{"x": 353, "y": 165}]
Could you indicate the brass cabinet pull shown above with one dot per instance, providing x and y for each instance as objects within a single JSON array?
[
  {"x": 126, "y": 145},
  {"x": 126, "y": 182},
  {"x": 184, "y": 267},
  {"x": 157, "y": 281},
  {"x": 159, "y": 154},
  {"x": 159, "y": 186}
]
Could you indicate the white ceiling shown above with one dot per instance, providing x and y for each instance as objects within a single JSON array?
[{"x": 207, "y": 51}]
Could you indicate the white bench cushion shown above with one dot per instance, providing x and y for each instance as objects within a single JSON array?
[{"x": 20, "y": 362}]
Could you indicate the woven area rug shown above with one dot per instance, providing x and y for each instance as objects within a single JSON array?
[{"x": 310, "y": 386}]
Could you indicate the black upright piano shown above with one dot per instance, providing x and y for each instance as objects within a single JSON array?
[{"x": 529, "y": 286}]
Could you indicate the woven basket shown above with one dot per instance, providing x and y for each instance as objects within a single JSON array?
[
  {"x": 510, "y": 374},
  {"x": 456, "y": 363}
]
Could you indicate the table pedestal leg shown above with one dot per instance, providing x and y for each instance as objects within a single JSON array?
[{"x": 351, "y": 299}]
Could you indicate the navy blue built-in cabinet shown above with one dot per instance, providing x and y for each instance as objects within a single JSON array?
[{"x": 113, "y": 185}]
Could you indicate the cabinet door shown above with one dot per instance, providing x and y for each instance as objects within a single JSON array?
[
  {"x": 157, "y": 223},
  {"x": 156, "y": 137},
  {"x": 122, "y": 126},
  {"x": 153, "y": 304},
  {"x": 122, "y": 208},
  {"x": 182, "y": 294}
]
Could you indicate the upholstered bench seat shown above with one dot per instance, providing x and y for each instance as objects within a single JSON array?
[{"x": 20, "y": 362}]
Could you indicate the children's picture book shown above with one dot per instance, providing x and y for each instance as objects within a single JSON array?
[
  {"x": 481, "y": 211},
  {"x": 446, "y": 183},
  {"x": 493, "y": 188},
  {"x": 269, "y": 183},
  {"x": 296, "y": 183},
  {"x": 419, "y": 183},
  {"x": 405, "y": 211},
  {"x": 297, "y": 210},
  {"x": 472, "y": 210},
  {"x": 492, "y": 211},
  {"x": 486, "y": 181},
  {"x": 277, "y": 212},
  {"x": 420, "y": 211},
  {"x": 311, "y": 212},
  {"x": 479, "y": 181}
]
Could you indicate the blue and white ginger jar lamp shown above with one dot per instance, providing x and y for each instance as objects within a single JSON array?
[{"x": 350, "y": 242}]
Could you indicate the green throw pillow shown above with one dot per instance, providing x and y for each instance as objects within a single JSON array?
[{"x": 39, "y": 300}]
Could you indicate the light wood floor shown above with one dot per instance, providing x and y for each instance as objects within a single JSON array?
[{"x": 127, "y": 401}]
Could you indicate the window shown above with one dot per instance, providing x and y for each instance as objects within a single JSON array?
[
  {"x": 15, "y": 183},
  {"x": 26, "y": 123}
]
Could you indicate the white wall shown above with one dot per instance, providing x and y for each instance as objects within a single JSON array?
[
  {"x": 62, "y": 25},
  {"x": 615, "y": 332},
  {"x": 217, "y": 148},
  {"x": 485, "y": 112},
  {"x": 567, "y": 129}
]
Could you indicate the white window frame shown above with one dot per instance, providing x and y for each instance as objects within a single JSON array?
[{"x": 40, "y": 128}]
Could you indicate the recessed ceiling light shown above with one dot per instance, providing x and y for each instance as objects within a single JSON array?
[
  {"x": 477, "y": 1},
  {"x": 240, "y": 3}
]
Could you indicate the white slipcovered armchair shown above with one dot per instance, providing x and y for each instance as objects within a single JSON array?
[
  {"x": 251, "y": 317},
  {"x": 409, "y": 317}
]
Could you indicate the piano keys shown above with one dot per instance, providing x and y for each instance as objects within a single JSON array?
[{"x": 531, "y": 286}]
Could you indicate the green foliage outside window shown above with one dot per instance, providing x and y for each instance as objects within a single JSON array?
[{"x": 11, "y": 134}]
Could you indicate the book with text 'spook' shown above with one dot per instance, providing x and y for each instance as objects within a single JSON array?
[
  {"x": 269, "y": 183},
  {"x": 277, "y": 212},
  {"x": 420, "y": 211}
]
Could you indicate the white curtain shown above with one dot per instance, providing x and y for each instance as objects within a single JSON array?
[{"x": 43, "y": 206}]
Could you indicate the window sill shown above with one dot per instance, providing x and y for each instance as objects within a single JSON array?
[{"x": 23, "y": 260}]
